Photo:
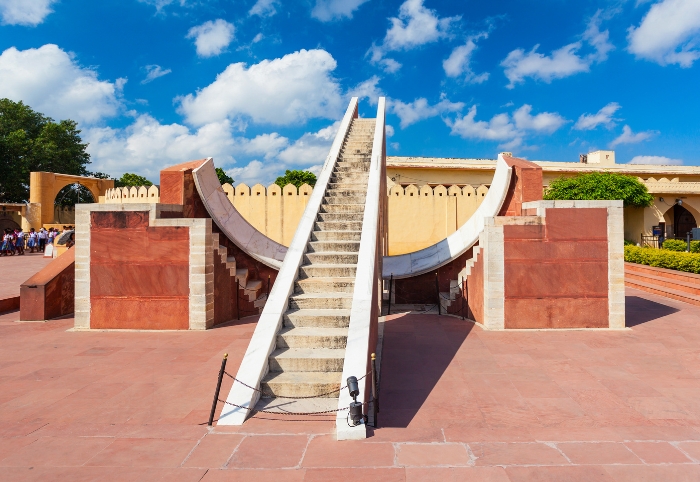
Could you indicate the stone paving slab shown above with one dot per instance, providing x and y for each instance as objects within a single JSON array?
[
  {"x": 18, "y": 269},
  {"x": 457, "y": 403}
]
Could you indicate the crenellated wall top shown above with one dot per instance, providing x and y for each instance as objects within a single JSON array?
[{"x": 438, "y": 191}]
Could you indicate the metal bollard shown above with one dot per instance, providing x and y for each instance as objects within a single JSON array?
[
  {"x": 375, "y": 398},
  {"x": 218, "y": 389},
  {"x": 437, "y": 288},
  {"x": 688, "y": 235},
  {"x": 238, "y": 301},
  {"x": 391, "y": 283}
]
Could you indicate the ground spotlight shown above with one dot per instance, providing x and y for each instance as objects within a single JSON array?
[{"x": 355, "y": 414}]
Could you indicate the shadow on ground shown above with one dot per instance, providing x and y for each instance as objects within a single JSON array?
[
  {"x": 416, "y": 352},
  {"x": 639, "y": 310}
]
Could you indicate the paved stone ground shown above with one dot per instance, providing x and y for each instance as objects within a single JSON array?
[
  {"x": 457, "y": 403},
  {"x": 15, "y": 270}
]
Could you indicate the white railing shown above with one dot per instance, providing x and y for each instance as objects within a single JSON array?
[
  {"x": 255, "y": 361},
  {"x": 364, "y": 314}
]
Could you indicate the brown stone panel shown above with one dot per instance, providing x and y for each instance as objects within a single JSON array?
[
  {"x": 134, "y": 246},
  {"x": 9, "y": 304},
  {"x": 171, "y": 187},
  {"x": 475, "y": 290},
  {"x": 525, "y": 186},
  {"x": 422, "y": 289},
  {"x": 149, "y": 313},
  {"x": 50, "y": 293},
  {"x": 556, "y": 313},
  {"x": 556, "y": 278},
  {"x": 531, "y": 231},
  {"x": 118, "y": 219},
  {"x": 223, "y": 291},
  {"x": 160, "y": 279},
  {"x": 543, "y": 251},
  {"x": 577, "y": 223}
]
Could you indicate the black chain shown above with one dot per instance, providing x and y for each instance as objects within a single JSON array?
[
  {"x": 271, "y": 395},
  {"x": 324, "y": 412}
]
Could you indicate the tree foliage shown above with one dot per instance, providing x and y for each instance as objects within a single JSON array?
[
  {"x": 601, "y": 186},
  {"x": 223, "y": 177},
  {"x": 296, "y": 177},
  {"x": 129, "y": 179},
  {"x": 31, "y": 141}
]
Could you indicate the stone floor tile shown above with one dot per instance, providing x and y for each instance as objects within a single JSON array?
[
  {"x": 658, "y": 408},
  {"x": 213, "y": 451},
  {"x": 143, "y": 452},
  {"x": 257, "y": 475},
  {"x": 325, "y": 451},
  {"x": 592, "y": 453},
  {"x": 539, "y": 389},
  {"x": 589, "y": 473},
  {"x": 57, "y": 451},
  {"x": 516, "y": 454},
  {"x": 444, "y": 454},
  {"x": 654, "y": 473},
  {"x": 456, "y": 474},
  {"x": 359, "y": 474},
  {"x": 690, "y": 448},
  {"x": 269, "y": 452},
  {"x": 657, "y": 452}
]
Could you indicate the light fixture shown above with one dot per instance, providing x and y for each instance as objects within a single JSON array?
[
  {"x": 679, "y": 202},
  {"x": 355, "y": 407},
  {"x": 661, "y": 199}
]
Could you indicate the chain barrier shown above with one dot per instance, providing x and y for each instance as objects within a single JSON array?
[
  {"x": 271, "y": 395},
  {"x": 298, "y": 414}
]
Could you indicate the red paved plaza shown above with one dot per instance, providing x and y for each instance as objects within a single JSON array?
[{"x": 457, "y": 403}]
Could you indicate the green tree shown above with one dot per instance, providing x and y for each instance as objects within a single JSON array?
[
  {"x": 129, "y": 179},
  {"x": 223, "y": 177},
  {"x": 30, "y": 141},
  {"x": 602, "y": 186},
  {"x": 297, "y": 178}
]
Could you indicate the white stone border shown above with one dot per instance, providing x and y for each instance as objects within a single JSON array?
[
  {"x": 441, "y": 253},
  {"x": 254, "y": 365},
  {"x": 201, "y": 260},
  {"x": 368, "y": 275}
]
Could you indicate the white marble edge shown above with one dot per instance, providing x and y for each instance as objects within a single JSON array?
[
  {"x": 357, "y": 347},
  {"x": 430, "y": 258},
  {"x": 254, "y": 365},
  {"x": 231, "y": 222}
]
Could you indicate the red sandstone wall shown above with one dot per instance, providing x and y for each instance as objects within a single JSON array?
[
  {"x": 475, "y": 290},
  {"x": 138, "y": 273},
  {"x": 525, "y": 186},
  {"x": 50, "y": 293},
  {"x": 421, "y": 289},
  {"x": 556, "y": 275}
]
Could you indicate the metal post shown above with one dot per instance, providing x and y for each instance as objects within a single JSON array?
[
  {"x": 437, "y": 288},
  {"x": 688, "y": 236},
  {"x": 238, "y": 311},
  {"x": 375, "y": 399},
  {"x": 218, "y": 389},
  {"x": 268, "y": 288},
  {"x": 391, "y": 286}
]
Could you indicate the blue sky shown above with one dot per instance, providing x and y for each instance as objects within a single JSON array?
[{"x": 260, "y": 84}]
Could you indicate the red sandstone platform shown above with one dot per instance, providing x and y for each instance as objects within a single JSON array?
[
  {"x": 15, "y": 271},
  {"x": 457, "y": 403}
]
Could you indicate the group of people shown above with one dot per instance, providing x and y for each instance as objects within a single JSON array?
[{"x": 17, "y": 241}]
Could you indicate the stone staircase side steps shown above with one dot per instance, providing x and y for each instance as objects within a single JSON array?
[
  {"x": 299, "y": 384},
  {"x": 312, "y": 337},
  {"x": 663, "y": 291},
  {"x": 333, "y": 246},
  {"x": 663, "y": 272},
  {"x": 307, "y": 360},
  {"x": 663, "y": 282},
  {"x": 336, "y": 235},
  {"x": 318, "y": 317}
]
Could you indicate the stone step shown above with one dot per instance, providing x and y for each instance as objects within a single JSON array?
[
  {"x": 336, "y": 236},
  {"x": 337, "y": 246},
  {"x": 328, "y": 271},
  {"x": 343, "y": 207},
  {"x": 350, "y": 178},
  {"x": 330, "y": 257},
  {"x": 349, "y": 166},
  {"x": 345, "y": 188},
  {"x": 312, "y": 337},
  {"x": 340, "y": 217},
  {"x": 301, "y": 384},
  {"x": 324, "y": 285},
  {"x": 317, "y": 301},
  {"x": 338, "y": 226},
  {"x": 343, "y": 200},
  {"x": 242, "y": 276},
  {"x": 307, "y": 360},
  {"x": 320, "y": 317}
]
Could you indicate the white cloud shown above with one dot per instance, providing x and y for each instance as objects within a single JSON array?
[
  {"x": 264, "y": 8},
  {"x": 545, "y": 122},
  {"x": 153, "y": 72},
  {"x": 292, "y": 89},
  {"x": 146, "y": 146},
  {"x": 389, "y": 130},
  {"x": 212, "y": 37},
  {"x": 256, "y": 172},
  {"x": 629, "y": 137},
  {"x": 669, "y": 33},
  {"x": 367, "y": 90},
  {"x": 458, "y": 64},
  {"x": 415, "y": 26},
  {"x": 420, "y": 109},
  {"x": 328, "y": 10},
  {"x": 161, "y": 4},
  {"x": 562, "y": 62},
  {"x": 268, "y": 145},
  {"x": 603, "y": 117},
  {"x": 50, "y": 81},
  {"x": 25, "y": 12},
  {"x": 311, "y": 148},
  {"x": 511, "y": 132},
  {"x": 656, "y": 160}
]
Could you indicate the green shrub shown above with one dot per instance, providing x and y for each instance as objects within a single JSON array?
[
  {"x": 675, "y": 245},
  {"x": 663, "y": 258},
  {"x": 630, "y": 243},
  {"x": 695, "y": 246}
]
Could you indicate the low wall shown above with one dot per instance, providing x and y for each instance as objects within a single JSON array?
[{"x": 50, "y": 292}]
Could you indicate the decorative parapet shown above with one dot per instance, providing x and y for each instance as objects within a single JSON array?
[
  {"x": 440, "y": 190},
  {"x": 140, "y": 194},
  {"x": 672, "y": 186}
]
